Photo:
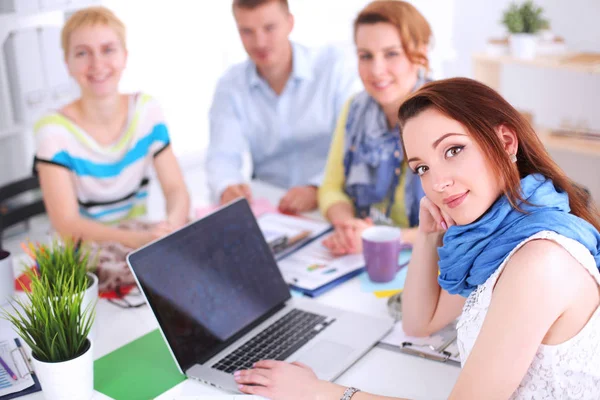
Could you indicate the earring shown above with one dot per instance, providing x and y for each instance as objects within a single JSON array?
[{"x": 513, "y": 158}]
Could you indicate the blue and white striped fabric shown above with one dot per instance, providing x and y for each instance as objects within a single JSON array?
[{"x": 111, "y": 182}]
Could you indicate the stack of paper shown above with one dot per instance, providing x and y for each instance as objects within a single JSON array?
[{"x": 280, "y": 225}]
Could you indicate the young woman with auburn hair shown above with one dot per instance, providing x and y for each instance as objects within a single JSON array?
[
  {"x": 366, "y": 179},
  {"x": 506, "y": 243}
]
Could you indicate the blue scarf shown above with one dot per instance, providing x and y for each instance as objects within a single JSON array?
[{"x": 471, "y": 253}]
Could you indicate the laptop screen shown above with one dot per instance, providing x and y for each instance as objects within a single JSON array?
[{"x": 209, "y": 281}]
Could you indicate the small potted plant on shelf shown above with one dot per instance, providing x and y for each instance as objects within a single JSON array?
[
  {"x": 54, "y": 323},
  {"x": 523, "y": 22}
]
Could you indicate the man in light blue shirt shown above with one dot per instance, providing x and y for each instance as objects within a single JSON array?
[{"x": 281, "y": 106}]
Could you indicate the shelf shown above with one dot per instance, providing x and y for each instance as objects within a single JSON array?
[
  {"x": 577, "y": 62},
  {"x": 571, "y": 144}
]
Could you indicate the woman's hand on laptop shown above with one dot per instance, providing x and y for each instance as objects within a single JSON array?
[{"x": 279, "y": 380}]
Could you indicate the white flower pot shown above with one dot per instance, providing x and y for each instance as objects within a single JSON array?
[
  {"x": 522, "y": 45},
  {"x": 546, "y": 35},
  {"x": 67, "y": 380},
  {"x": 91, "y": 296},
  {"x": 7, "y": 277}
]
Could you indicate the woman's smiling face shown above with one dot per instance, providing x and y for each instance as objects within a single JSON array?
[{"x": 454, "y": 171}]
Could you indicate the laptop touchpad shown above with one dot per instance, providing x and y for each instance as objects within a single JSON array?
[{"x": 325, "y": 357}]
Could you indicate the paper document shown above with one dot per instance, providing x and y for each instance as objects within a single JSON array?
[
  {"x": 7, "y": 383},
  {"x": 314, "y": 266},
  {"x": 297, "y": 231},
  {"x": 442, "y": 343}
]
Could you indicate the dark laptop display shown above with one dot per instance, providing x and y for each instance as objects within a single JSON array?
[{"x": 210, "y": 282}]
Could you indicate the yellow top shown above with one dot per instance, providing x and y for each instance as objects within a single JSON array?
[{"x": 332, "y": 191}]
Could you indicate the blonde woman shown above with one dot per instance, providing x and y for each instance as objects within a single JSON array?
[{"x": 94, "y": 155}]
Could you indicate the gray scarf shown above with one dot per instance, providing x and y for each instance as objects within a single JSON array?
[{"x": 373, "y": 159}]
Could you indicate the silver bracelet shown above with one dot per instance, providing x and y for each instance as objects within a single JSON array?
[{"x": 349, "y": 392}]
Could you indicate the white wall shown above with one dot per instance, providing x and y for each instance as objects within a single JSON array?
[
  {"x": 176, "y": 54},
  {"x": 179, "y": 49},
  {"x": 554, "y": 97}
]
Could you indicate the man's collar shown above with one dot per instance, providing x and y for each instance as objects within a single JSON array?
[{"x": 301, "y": 68}]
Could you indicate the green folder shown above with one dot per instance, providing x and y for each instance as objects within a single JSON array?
[{"x": 140, "y": 370}]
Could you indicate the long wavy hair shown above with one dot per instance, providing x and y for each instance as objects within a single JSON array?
[{"x": 481, "y": 110}]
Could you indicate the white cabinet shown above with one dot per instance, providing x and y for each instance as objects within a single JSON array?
[
  {"x": 59, "y": 85},
  {"x": 19, "y": 6},
  {"x": 53, "y": 4},
  {"x": 29, "y": 95}
]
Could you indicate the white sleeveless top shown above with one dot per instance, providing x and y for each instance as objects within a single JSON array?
[{"x": 570, "y": 370}]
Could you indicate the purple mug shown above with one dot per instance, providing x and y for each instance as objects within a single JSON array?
[{"x": 381, "y": 248}]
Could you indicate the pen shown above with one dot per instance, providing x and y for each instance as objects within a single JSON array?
[
  {"x": 278, "y": 244},
  {"x": 290, "y": 241},
  {"x": 8, "y": 370},
  {"x": 28, "y": 251},
  {"x": 295, "y": 239},
  {"x": 24, "y": 356}
]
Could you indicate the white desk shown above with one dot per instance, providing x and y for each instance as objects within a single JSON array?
[{"x": 379, "y": 371}]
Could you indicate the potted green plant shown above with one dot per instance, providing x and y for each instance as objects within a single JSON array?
[
  {"x": 523, "y": 22},
  {"x": 51, "y": 321},
  {"x": 59, "y": 258}
]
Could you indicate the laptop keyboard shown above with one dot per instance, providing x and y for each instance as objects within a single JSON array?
[{"x": 277, "y": 342}]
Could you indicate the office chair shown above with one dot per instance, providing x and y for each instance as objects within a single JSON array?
[{"x": 14, "y": 211}]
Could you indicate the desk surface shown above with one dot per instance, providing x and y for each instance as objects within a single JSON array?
[{"x": 379, "y": 371}]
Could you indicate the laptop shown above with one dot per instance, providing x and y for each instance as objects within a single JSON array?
[{"x": 222, "y": 304}]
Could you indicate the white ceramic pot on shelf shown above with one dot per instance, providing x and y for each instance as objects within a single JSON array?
[
  {"x": 523, "y": 45},
  {"x": 67, "y": 380}
]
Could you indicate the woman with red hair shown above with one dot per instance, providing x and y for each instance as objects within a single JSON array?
[{"x": 506, "y": 243}]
